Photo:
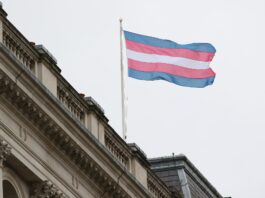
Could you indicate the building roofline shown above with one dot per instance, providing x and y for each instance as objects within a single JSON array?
[
  {"x": 187, "y": 164},
  {"x": 74, "y": 121}
]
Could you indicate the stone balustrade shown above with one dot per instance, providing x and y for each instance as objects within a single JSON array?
[
  {"x": 70, "y": 102},
  {"x": 23, "y": 51},
  {"x": 27, "y": 53},
  {"x": 156, "y": 187},
  {"x": 118, "y": 150}
]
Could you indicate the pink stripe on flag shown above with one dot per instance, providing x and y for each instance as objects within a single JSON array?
[
  {"x": 185, "y": 53},
  {"x": 170, "y": 69}
]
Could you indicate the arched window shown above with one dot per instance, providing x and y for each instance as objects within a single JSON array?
[
  {"x": 9, "y": 190},
  {"x": 13, "y": 186}
]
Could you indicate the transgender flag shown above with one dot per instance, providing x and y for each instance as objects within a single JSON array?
[{"x": 151, "y": 58}]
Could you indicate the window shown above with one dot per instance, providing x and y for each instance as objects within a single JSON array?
[
  {"x": 9, "y": 190},
  {"x": 13, "y": 186}
]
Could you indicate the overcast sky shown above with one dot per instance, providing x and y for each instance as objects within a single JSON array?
[{"x": 219, "y": 128}]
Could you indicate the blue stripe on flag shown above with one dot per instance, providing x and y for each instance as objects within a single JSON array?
[
  {"x": 156, "y": 42},
  {"x": 182, "y": 81}
]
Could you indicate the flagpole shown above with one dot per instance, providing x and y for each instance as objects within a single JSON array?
[{"x": 124, "y": 127}]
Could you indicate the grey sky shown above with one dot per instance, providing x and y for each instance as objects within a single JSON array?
[{"x": 220, "y": 128}]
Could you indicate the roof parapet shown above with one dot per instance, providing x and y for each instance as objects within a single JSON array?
[
  {"x": 43, "y": 51},
  {"x": 92, "y": 102},
  {"x": 180, "y": 161},
  {"x": 139, "y": 153},
  {"x": 47, "y": 56}
]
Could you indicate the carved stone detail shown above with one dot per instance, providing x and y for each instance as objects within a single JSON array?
[
  {"x": 46, "y": 189},
  {"x": 57, "y": 136},
  {"x": 5, "y": 151},
  {"x": 116, "y": 149},
  {"x": 155, "y": 188},
  {"x": 70, "y": 102},
  {"x": 18, "y": 49}
]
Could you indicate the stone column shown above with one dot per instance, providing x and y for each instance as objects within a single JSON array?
[
  {"x": 46, "y": 189},
  {"x": 5, "y": 150}
]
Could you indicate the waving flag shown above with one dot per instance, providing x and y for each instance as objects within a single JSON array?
[{"x": 152, "y": 58}]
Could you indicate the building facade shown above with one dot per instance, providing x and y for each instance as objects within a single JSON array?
[{"x": 54, "y": 141}]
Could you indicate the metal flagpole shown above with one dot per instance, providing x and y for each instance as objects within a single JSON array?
[{"x": 124, "y": 126}]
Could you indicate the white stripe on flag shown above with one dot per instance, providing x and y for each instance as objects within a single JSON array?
[{"x": 179, "y": 61}]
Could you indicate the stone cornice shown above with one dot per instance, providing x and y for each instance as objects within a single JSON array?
[
  {"x": 34, "y": 85},
  {"x": 59, "y": 138},
  {"x": 36, "y": 114}
]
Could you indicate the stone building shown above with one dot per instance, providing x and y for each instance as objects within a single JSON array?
[{"x": 56, "y": 143}]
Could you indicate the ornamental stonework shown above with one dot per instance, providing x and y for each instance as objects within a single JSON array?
[
  {"x": 5, "y": 151},
  {"x": 46, "y": 189}
]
